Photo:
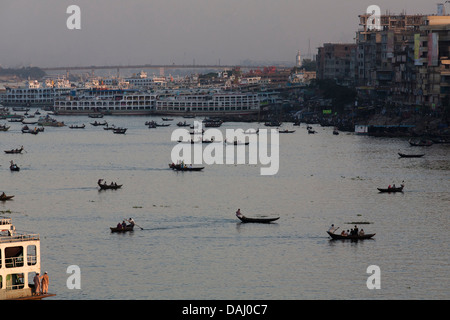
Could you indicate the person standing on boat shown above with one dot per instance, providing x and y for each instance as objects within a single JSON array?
[
  {"x": 332, "y": 229},
  {"x": 131, "y": 221},
  {"x": 45, "y": 283},
  {"x": 239, "y": 214},
  {"x": 37, "y": 284}
]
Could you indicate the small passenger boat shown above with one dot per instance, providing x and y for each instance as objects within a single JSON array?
[
  {"x": 420, "y": 143},
  {"x": 119, "y": 130},
  {"x": 237, "y": 143},
  {"x": 403, "y": 155},
  {"x": 200, "y": 141},
  {"x": 336, "y": 236},
  {"x": 36, "y": 130},
  {"x": 95, "y": 123},
  {"x": 105, "y": 186},
  {"x": 395, "y": 189},
  {"x": 183, "y": 124},
  {"x": 257, "y": 219},
  {"x": 121, "y": 229},
  {"x": 179, "y": 167},
  {"x": 286, "y": 131},
  {"x": 14, "y": 151},
  {"x": 4, "y": 197},
  {"x": 14, "y": 167},
  {"x": 77, "y": 127}
]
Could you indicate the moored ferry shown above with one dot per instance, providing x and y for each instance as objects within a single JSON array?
[
  {"x": 165, "y": 102},
  {"x": 120, "y": 104},
  {"x": 19, "y": 263},
  {"x": 207, "y": 103}
]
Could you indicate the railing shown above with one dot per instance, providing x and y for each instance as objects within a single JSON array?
[
  {"x": 17, "y": 238},
  {"x": 14, "y": 262},
  {"x": 5, "y": 221}
]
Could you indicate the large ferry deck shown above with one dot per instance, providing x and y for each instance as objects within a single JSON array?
[{"x": 19, "y": 263}]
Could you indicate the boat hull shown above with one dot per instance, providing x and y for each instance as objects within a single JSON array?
[
  {"x": 257, "y": 220},
  {"x": 339, "y": 237},
  {"x": 402, "y": 155},
  {"x": 181, "y": 168},
  {"x": 126, "y": 229},
  {"x": 109, "y": 187},
  {"x": 400, "y": 189}
]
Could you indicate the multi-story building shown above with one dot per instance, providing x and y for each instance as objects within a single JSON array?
[
  {"x": 382, "y": 54},
  {"x": 337, "y": 61},
  {"x": 432, "y": 59}
]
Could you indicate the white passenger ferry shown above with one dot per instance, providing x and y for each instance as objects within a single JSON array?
[
  {"x": 19, "y": 263},
  {"x": 35, "y": 94},
  {"x": 207, "y": 103},
  {"x": 164, "y": 102},
  {"x": 113, "y": 102}
]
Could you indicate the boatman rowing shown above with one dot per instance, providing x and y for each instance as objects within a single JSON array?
[{"x": 239, "y": 214}]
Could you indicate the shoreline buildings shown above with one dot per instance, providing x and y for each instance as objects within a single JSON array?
[{"x": 405, "y": 61}]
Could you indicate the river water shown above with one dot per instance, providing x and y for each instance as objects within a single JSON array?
[{"x": 193, "y": 247}]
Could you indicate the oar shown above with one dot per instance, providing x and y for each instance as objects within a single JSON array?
[
  {"x": 134, "y": 224},
  {"x": 139, "y": 226}
]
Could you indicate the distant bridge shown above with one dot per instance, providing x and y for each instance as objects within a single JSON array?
[{"x": 156, "y": 66}]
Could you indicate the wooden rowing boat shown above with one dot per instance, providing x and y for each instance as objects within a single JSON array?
[
  {"x": 356, "y": 237},
  {"x": 95, "y": 123},
  {"x": 420, "y": 143},
  {"x": 179, "y": 167},
  {"x": 126, "y": 229},
  {"x": 119, "y": 130},
  {"x": 397, "y": 189},
  {"x": 14, "y": 151},
  {"x": 104, "y": 186},
  {"x": 402, "y": 155},
  {"x": 77, "y": 127},
  {"x": 5, "y": 198},
  {"x": 257, "y": 219},
  {"x": 286, "y": 131}
]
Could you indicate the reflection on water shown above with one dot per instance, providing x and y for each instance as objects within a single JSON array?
[{"x": 193, "y": 247}]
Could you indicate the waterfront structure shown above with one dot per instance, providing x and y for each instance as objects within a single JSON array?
[
  {"x": 432, "y": 60},
  {"x": 384, "y": 66},
  {"x": 298, "y": 59},
  {"x": 403, "y": 62},
  {"x": 19, "y": 262},
  {"x": 336, "y": 61}
]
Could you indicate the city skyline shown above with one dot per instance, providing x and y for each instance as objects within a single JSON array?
[{"x": 179, "y": 32}]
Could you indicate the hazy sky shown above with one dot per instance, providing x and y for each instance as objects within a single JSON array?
[{"x": 34, "y": 32}]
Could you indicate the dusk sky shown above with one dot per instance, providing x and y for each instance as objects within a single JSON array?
[{"x": 34, "y": 32}]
